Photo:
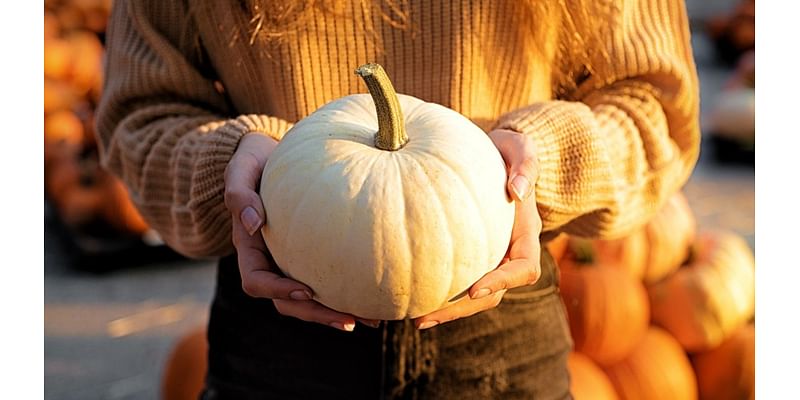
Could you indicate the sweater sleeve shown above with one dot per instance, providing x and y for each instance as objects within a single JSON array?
[
  {"x": 629, "y": 137},
  {"x": 166, "y": 130}
]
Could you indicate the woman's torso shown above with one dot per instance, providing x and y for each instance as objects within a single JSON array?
[{"x": 480, "y": 58}]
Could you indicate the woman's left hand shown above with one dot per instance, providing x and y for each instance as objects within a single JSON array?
[{"x": 521, "y": 266}]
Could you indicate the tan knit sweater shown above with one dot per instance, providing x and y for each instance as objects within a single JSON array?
[{"x": 183, "y": 87}]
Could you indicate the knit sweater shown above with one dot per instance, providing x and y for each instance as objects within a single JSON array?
[{"x": 183, "y": 86}]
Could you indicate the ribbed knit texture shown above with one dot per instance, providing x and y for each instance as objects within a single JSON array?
[{"x": 183, "y": 88}]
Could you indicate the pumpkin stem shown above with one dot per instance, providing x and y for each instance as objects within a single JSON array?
[{"x": 391, "y": 134}]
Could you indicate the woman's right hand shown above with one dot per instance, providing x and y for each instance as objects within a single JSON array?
[{"x": 260, "y": 278}]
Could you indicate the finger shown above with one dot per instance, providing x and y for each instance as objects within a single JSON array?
[
  {"x": 521, "y": 178},
  {"x": 513, "y": 146},
  {"x": 519, "y": 269},
  {"x": 241, "y": 181},
  {"x": 259, "y": 278},
  {"x": 311, "y": 311},
  {"x": 519, "y": 153},
  {"x": 515, "y": 273},
  {"x": 372, "y": 323},
  {"x": 242, "y": 177},
  {"x": 464, "y": 307},
  {"x": 527, "y": 221}
]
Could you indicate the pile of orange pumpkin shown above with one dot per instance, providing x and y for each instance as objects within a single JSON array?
[
  {"x": 665, "y": 313},
  {"x": 75, "y": 184}
]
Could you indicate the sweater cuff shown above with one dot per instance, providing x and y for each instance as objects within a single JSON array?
[
  {"x": 223, "y": 144},
  {"x": 270, "y": 126},
  {"x": 571, "y": 162},
  {"x": 225, "y": 139},
  {"x": 222, "y": 138}
]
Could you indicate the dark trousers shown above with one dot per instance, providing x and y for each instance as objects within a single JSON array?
[{"x": 517, "y": 350}]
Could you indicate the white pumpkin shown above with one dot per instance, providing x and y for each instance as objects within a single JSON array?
[{"x": 388, "y": 225}]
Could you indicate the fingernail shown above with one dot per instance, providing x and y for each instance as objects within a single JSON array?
[
  {"x": 347, "y": 326},
  {"x": 521, "y": 186},
  {"x": 300, "y": 295},
  {"x": 369, "y": 323},
  {"x": 482, "y": 293},
  {"x": 428, "y": 324},
  {"x": 251, "y": 220}
]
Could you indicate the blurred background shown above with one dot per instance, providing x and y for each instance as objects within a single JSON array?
[{"x": 117, "y": 300}]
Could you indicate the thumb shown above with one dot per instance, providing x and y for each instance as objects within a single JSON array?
[
  {"x": 519, "y": 153},
  {"x": 245, "y": 205},
  {"x": 521, "y": 178},
  {"x": 251, "y": 219},
  {"x": 241, "y": 196},
  {"x": 242, "y": 177}
]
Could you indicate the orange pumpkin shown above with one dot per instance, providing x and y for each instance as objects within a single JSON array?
[
  {"x": 63, "y": 132},
  {"x": 95, "y": 14},
  {"x": 657, "y": 369},
  {"x": 62, "y": 170},
  {"x": 70, "y": 17},
  {"x": 669, "y": 237},
  {"x": 52, "y": 28},
  {"x": 72, "y": 186},
  {"x": 587, "y": 380},
  {"x": 558, "y": 246},
  {"x": 63, "y": 126},
  {"x": 85, "y": 113},
  {"x": 96, "y": 20},
  {"x": 711, "y": 296},
  {"x": 87, "y": 59},
  {"x": 80, "y": 205},
  {"x": 58, "y": 96},
  {"x": 57, "y": 58},
  {"x": 628, "y": 253},
  {"x": 118, "y": 209},
  {"x": 185, "y": 370},
  {"x": 607, "y": 309},
  {"x": 728, "y": 371}
]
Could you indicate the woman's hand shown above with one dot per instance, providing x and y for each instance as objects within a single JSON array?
[
  {"x": 521, "y": 265},
  {"x": 260, "y": 278}
]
